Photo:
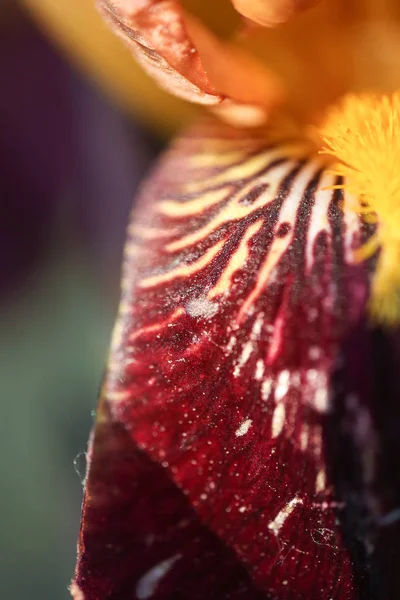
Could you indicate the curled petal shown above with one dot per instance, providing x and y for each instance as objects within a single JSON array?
[
  {"x": 271, "y": 12},
  {"x": 187, "y": 59},
  {"x": 133, "y": 547},
  {"x": 156, "y": 32}
]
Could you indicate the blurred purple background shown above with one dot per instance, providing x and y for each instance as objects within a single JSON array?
[{"x": 70, "y": 165}]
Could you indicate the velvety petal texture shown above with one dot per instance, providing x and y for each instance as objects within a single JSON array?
[{"x": 226, "y": 448}]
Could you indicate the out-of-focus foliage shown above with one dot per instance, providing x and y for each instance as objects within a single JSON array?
[
  {"x": 76, "y": 27},
  {"x": 70, "y": 162}
]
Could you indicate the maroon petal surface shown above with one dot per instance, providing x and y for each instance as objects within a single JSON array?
[{"x": 214, "y": 463}]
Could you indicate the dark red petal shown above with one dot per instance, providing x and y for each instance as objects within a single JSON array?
[
  {"x": 140, "y": 531},
  {"x": 211, "y": 473}
]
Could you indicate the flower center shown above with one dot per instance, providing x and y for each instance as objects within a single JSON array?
[{"x": 362, "y": 134}]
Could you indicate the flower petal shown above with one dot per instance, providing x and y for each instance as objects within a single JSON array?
[
  {"x": 188, "y": 59},
  {"x": 134, "y": 547},
  {"x": 271, "y": 12},
  {"x": 239, "y": 291}
]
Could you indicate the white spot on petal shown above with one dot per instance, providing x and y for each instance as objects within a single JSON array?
[
  {"x": 282, "y": 385},
  {"x": 266, "y": 389},
  {"x": 243, "y": 428},
  {"x": 257, "y": 327},
  {"x": 276, "y": 525},
  {"x": 312, "y": 375},
  {"x": 231, "y": 343},
  {"x": 318, "y": 385},
  {"x": 321, "y": 400},
  {"x": 278, "y": 419},
  {"x": 320, "y": 482},
  {"x": 147, "y": 584},
  {"x": 304, "y": 435},
  {"x": 244, "y": 357},
  {"x": 259, "y": 370},
  {"x": 201, "y": 307},
  {"x": 314, "y": 352}
]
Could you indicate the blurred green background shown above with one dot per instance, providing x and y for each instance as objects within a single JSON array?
[{"x": 70, "y": 165}]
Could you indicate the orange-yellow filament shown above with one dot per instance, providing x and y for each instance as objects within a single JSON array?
[{"x": 363, "y": 135}]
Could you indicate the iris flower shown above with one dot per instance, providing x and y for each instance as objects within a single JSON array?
[{"x": 247, "y": 436}]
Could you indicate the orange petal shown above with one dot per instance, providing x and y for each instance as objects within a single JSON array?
[
  {"x": 249, "y": 88},
  {"x": 187, "y": 59},
  {"x": 271, "y": 12},
  {"x": 155, "y": 31}
]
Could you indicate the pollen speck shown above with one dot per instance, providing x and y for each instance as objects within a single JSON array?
[{"x": 362, "y": 134}]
